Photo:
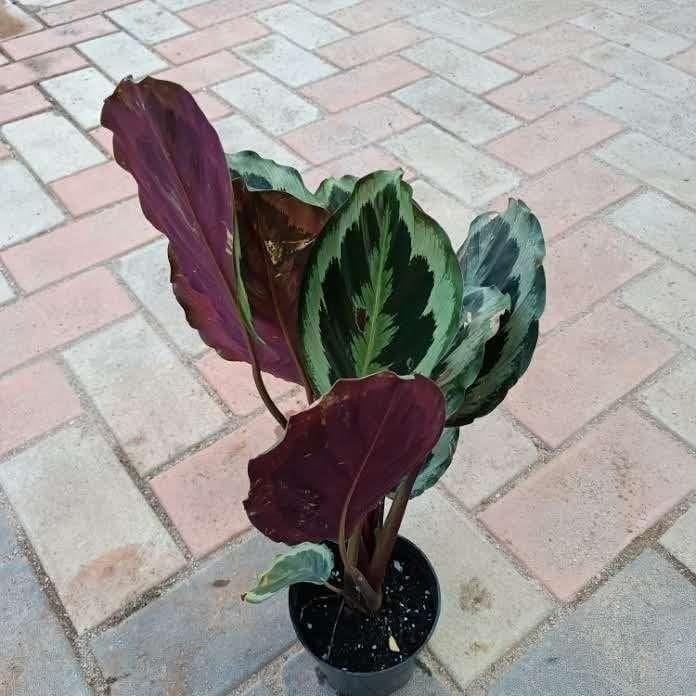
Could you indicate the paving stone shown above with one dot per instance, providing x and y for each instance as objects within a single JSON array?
[
  {"x": 556, "y": 85},
  {"x": 671, "y": 399},
  {"x": 680, "y": 540},
  {"x": 685, "y": 61},
  {"x": 478, "y": 8},
  {"x": 645, "y": 10},
  {"x": 95, "y": 188},
  {"x": 587, "y": 265},
  {"x": 570, "y": 518},
  {"x": 201, "y": 43},
  {"x": 350, "y": 130},
  {"x": 472, "y": 176},
  {"x": 76, "y": 9},
  {"x": 78, "y": 245},
  {"x": 81, "y": 94},
  {"x": 529, "y": 53},
  {"x": 370, "y": 13},
  {"x": 67, "y": 483},
  {"x": 456, "y": 110},
  {"x": 211, "y": 106},
  {"x": 15, "y": 21},
  {"x": 36, "y": 656},
  {"x": 586, "y": 367},
  {"x": 660, "y": 223},
  {"x": 51, "y": 145},
  {"x": 300, "y": 677},
  {"x": 554, "y": 138},
  {"x": 221, "y": 10},
  {"x": 487, "y": 606},
  {"x": 21, "y": 103},
  {"x": 131, "y": 374},
  {"x": 148, "y": 22},
  {"x": 326, "y": 6},
  {"x": 363, "y": 82},
  {"x": 50, "y": 318},
  {"x": 30, "y": 70},
  {"x": 236, "y": 133},
  {"x": 196, "y": 638},
  {"x": 681, "y": 20},
  {"x": 492, "y": 452},
  {"x": 6, "y": 291},
  {"x": 257, "y": 690},
  {"x": 642, "y": 71},
  {"x": 301, "y": 26},
  {"x": 274, "y": 106},
  {"x": 525, "y": 16},
  {"x": 50, "y": 39},
  {"x": 235, "y": 385},
  {"x": 203, "y": 494},
  {"x": 463, "y": 30},
  {"x": 666, "y": 297},
  {"x": 573, "y": 191},
  {"x": 205, "y": 71},
  {"x": 461, "y": 66},
  {"x": 360, "y": 163},
  {"x": 34, "y": 400},
  {"x": 629, "y": 32},
  {"x": 119, "y": 55},
  {"x": 633, "y": 636},
  {"x": 372, "y": 44},
  {"x": 653, "y": 163},
  {"x": 663, "y": 120},
  {"x": 449, "y": 212},
  {"x": 8, "y": 538},
  {"x": 26, "y": 208},
  {"x": 289, "y": 63}
]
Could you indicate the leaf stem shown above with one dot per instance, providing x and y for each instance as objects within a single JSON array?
[{"x": 260, "y": 386}]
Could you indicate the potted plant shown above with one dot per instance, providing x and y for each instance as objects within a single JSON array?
[{"x": 354, "y": 293}]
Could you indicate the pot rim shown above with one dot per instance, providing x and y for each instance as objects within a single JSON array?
[{"x": 412, "y": 656}]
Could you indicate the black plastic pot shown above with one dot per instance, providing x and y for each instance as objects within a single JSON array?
[{"x": 386, "y": 681}]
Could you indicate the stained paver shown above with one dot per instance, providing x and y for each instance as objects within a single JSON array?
[
  {"x": 72, "y": 482},
  {"x": 486, "y": 604},
  {"x": 145, "y": 394},
  {"x": 632, "y": 637},
  {"x": 581, "y": 108},
  {"x": 195, "y": 639},
  {"x": 575, "y": 514}
]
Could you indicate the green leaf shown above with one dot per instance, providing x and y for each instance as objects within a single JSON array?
[
  {"x": 479, "y": 321},
  {"x": 504, "y": 251},
  {"x": 305, "y": 562},
  {"x": 437, "y": 462},
  {"x": 333, "y": 193},
  {"x": 382, "y": 289}
]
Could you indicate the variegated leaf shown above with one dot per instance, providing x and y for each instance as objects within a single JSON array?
[
  {"x": 479, "y": 321},
  {"x": 305, "y": 562},
  {"x": 333, "y": 193},
  {"x": 438, "y": 461},
  {"x": 504, "y": 251},
  {"x": 382, "y": 289}
]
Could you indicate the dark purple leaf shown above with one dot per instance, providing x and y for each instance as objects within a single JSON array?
[{"x": 351, "y": 447}]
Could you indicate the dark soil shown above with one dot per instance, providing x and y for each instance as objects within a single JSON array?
[{"x": 361, "y": 642}]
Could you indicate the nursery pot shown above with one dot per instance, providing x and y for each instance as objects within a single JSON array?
[{"x": 373, "y": 683}]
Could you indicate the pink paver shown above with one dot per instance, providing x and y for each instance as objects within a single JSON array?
[
  {"x": 686, "y": 61},
  {"x": 365, "y": 82},
  {"x": 205, "y": 71},
  {"x": 77, "y": 245},
  {"x": 220, "y": 10},
  {"x": 575, "y": 514},
  {"x": 211, "y": 106},
  {"x": 370, "y": 13},
  {"x": 584, "y": 369},
  {"x": 104, "y": 138},
  {"x": 200, "y": 43},
  {"x": 39, "y": 68},
  {"x": 554, "y": 138},
  {"x": 57, "y": 315},
  {"x": 22, "y": 102},
  {"x": 235, "y": 385},
  {"x": 587, "y": 265},
  {"x": 95, "y": 188},
  {"x": 545, "y": 90},
  {"x": 571, "y": 192},
  {"x": 34, "y": 400}
]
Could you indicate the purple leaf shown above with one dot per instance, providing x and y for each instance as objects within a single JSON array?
[{"x": 350, "y": 449}]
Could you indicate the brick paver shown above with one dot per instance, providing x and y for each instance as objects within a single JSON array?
[{"x": 117, "y": 419}]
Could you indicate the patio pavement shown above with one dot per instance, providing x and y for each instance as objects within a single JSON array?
[{"x": 562, "y": 533}]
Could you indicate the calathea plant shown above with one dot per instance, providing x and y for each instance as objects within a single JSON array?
[{"x": 352, "y": 292}]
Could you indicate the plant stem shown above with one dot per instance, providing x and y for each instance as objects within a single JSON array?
[{"x": 260, "y": 386}]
